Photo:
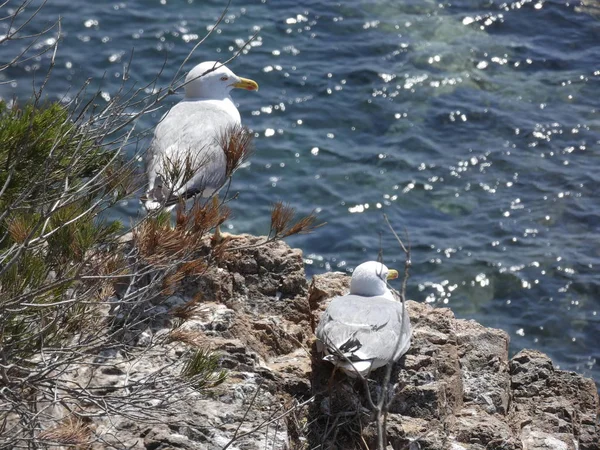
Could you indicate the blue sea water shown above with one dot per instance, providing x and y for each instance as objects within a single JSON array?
[{"x": 473, "y": 125}]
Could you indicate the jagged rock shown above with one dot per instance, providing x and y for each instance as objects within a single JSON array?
[
  {"x": 454, "y": 389},
  {"x": 474, "y": 426},
  {"x": 483, "y": 356},
  {"x": 552, "y": 408},
  {"x": 431, "y": 375}
]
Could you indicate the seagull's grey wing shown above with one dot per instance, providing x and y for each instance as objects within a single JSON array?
[
  {"x": 189, "y": 137},
  {"x": 365, "y": 328}
]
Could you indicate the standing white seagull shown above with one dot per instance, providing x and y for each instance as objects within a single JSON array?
[
  {"x": 186, "y": 156},
  {"x": 367, "y": 328}
]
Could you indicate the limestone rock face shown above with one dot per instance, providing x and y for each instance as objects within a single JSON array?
[{"x": 455, "y": 388}]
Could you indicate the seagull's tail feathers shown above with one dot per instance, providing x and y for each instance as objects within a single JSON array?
[
  {"x": 351, "y": 368},
  {"x": 154, "y": 197},
  {"x": 151, "y": 199},
  {"x": 160, "y": 196},
  {"x": 150, "y": 205}
]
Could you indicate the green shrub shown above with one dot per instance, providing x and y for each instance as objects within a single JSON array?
[
  {"x": 39, "y": 146},
  {"x": 202, "y": 370},
  {"x": 50, "y": 230}
]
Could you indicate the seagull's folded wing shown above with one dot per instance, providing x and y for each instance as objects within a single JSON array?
[
  {"x": 188, "y": 141},
  {"x": 365, "y": 328}
]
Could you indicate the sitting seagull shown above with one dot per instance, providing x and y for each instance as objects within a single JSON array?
[
  {"x": 188, "y": 138},
  {"x": 367, "y": 328}
]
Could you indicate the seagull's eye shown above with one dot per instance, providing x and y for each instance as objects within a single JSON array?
[{"x": 224, "y": 78}]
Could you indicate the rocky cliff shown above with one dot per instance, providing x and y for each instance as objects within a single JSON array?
[{"x": 455, "y": 389}]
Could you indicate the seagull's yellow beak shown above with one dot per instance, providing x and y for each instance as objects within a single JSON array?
[
  {"x": 392, "y": 274},
  {"x": 247, "y": 84}
]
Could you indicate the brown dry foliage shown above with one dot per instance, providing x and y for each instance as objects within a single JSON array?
[
  {"x": 202, "y": 217},
  {"x": 282, "y": 225},
  {"x": 190, "y": 268},
  {"x": 303, "y": 226},
  {"x": 159, "y": 243},
  {"x": 281, "y": 216},
  {"x": 237, "y": 143},
  {"x": 19, "y": 229},
  {"x": 193, "y": 267},
  {"x": 69, "y": 432},
  {"x": 182, "y": 247},
  {"x": 188, "y": 309},
  {"x": 171, "y": 282},
  {"x": 193, "y": 338}
]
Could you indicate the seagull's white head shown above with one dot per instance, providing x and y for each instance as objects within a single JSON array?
[
  {"x": 369, "y": 279},
  {"x": 212, "y": 80}
]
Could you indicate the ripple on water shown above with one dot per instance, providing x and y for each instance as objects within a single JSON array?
[{"x": 473, "y": 127}]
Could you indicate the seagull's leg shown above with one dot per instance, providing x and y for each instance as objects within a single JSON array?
[
  {"x": 330, "y": 382},
  {"x": 330, "y": 388},
  {"x": 217, "y": 236}
]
